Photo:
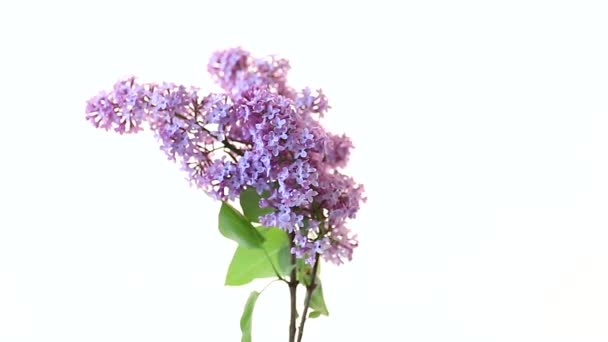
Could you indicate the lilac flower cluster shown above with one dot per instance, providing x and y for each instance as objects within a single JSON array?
[{"x": 260, "y": 133}]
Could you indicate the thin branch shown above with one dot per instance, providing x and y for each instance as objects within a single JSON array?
[
  {"x": 231, "y": 156},
  {"x": 225, "y": 141},
  {"x": 231, "y": 147},
  {"x": 293, "y": 286},
  {"x": 267, "y": 285},
  {"x": 309, "y": 290}
]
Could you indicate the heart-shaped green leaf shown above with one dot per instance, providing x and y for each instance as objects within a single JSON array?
[
  {"x": 252, "y": 263},
  {"x": 250, "y": 203},
  {"x": 235, "y": 226}
]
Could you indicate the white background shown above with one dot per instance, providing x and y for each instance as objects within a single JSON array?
[{"x": 482, "y": 137}]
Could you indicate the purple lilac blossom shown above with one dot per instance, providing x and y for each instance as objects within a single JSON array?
[{"x": 261, "y": 134}]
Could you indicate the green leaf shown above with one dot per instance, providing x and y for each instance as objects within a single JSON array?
[
  {"x": 248, "y": 264},
  {"x": 246, "y": 317},
  {"x": 235, "y": 226},
  {"x": 317, "y": 302},
  {"x": 250, "y": 203},
  {"x": 314, "y": 314},
  {"x": 303, "y": 272}
]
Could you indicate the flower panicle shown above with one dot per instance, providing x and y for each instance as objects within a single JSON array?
[{"x": 259, "y": 134}]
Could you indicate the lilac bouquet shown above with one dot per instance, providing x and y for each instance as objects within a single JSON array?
[{"x": 261, "y": 142}]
